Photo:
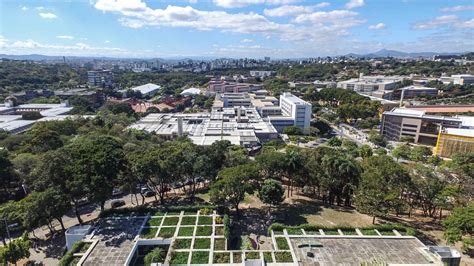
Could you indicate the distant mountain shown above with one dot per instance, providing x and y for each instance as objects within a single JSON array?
[{"x": 398, "y": 54}]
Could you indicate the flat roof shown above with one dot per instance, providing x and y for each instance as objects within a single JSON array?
[
  {"x": 460, "y": 132},
  {"x": 292, "y": 98},
  {"x": 443, "y": 108},
  {"x": 146, "y": 88},
  {"x": 349, "y": 251}
]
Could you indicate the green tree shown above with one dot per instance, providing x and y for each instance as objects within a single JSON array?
[
  {"x": 33, "y": 115},
  {"x": 271, "y": 192},
  {"x": 15, "y": 250},
  {"x": 334, "y": 142},
  {"x": 420, "y": 153},
  {"x": 402, "y": 151},
  {"x": 8, "y": 178},
  {"x": 377, "y": 139},
  {"x": 459, "y": 226},
  {"x": 365, "y": 151},
  {"x": 292, "y": 130}
]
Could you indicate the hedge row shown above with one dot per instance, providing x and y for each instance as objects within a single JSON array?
[
  {"x": 146, "y": 209},
  {"x": 68, "y": 257},
  {"x": 314, "y": 227}
]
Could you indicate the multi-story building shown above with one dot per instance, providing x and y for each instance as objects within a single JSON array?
[
  {"x": 454, "y": 140},
  {"x": 423, "y": 128},
  {"x": 413, "y": 91},
  {"x": 461, "y": 79},
  {"x": 100, "y": 78},
  {"x": 261, "y": 74},
  {"x": 295, "y": 110},
  {"x": 220, "y": 86},
  {"x": 366, "y": 84}
]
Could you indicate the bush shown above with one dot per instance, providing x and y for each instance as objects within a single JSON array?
[
  {"x": 219, "y": 244},
  {"x": 148, "y": 233},
  {"x": 200, "y": 257},
  {"x": 68, "y": 257},
  {"x": 205, "y": 211},
  {"x": 333, "y": 229},
  {"x": 219, "y": 220},
  {"x": 202, "y": 243},
  {"x": 171, "y": 221},
  {"x": 154, "y": 222},
  {"x": 219, "y": 230},
  {"x": 268, "y": 257},
  {"x": 157, "y": 255},
  {"x": 222, "y": 257},
  {"x": 227, "y": 226},
  {"x": 292, "y": 130},
  {"x": 237, "y": 257},
  {"x": 252, "y": 255}
]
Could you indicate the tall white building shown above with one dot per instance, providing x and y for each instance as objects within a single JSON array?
[{"x": 297, "y": 109}]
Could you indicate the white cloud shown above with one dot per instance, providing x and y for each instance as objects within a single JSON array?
[
  {"x": 40, "y": 8},
  {"x": 468, "y": 24},
  {"x": 246, "y": 40},
  {"x": 354, "y": 3},
  {"x": 244, "y": 3},
  {"x": 120, "y": 5},
  {"x": 287, "y": 10},
  {"x": 3, "y": 41},
  {"x": 67, "y": 37},
  {"x": 378, "y": 26},
  {"x": 48, "y": 15},
  {"x": 457, "y": 8},
  {"x": 24, "y": 8},
  {"x": 436, "y": 22},
  {"x": 335, "y": 16},
  {"x": 193, "y": 1},
  {"x": 107, "y": 41},
  {"x": 281, "y": 2}
]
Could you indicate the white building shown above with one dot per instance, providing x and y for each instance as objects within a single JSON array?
[
  {"x": 148, "y": 89},
  {"x": 191, "y": 92},
  {"x": 371, "y": 83},
  {"x": 295, "y": 108},
  {"x": 462, "y": 79},
  {"x": 261, "y": 74}
]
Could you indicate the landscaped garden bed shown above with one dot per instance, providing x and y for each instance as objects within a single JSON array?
[
  {"x": 349, "y": 232},
  {"x": 182, "y": 243},
  {"x": 84, "y": 247},
  {"x": 154, "y": 221},
  {"x": 171, "y": 221},
  {"x": 294, "y": 231},
  {"x": 313, "y": 233},
  {"x": 252, "y": 255},
  {"x": 219, "y": 230},
  {"x": 283, "y": 256},
  {"x": 369, "y": 232},
  {"x": 219, "y": 244},
  {"x": 179, "y": 258},
  {"x": 200, "y": 257},
  {"x": 237, "y": 257},
  {"x": 202, "y": 243},
  {"x": 148, "y": 232},
  {"x": 167, "y": 232},
  {"x": 186, "y": 231},
  {"x": 188, "y": 220},
  {"x": 223, "y": 257},
  {"x": 267, "y": 256},
  {"x": 331, "y": 232},
  {"x": 282, "y": 243},
  {"x": 204, "y": 231},
  {"x": 386, "y": 232},
  {"x": 205, "y": 220}
]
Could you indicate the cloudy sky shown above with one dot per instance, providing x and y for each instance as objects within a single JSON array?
[{"x": 234, "y": 28}]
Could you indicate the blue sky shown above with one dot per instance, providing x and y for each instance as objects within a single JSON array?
[{"x": 234, "y": 28}]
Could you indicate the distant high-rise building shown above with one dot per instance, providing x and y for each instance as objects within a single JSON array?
[
  {"x": 267, "y": 59},
  {"x": 100, "y": 78}
]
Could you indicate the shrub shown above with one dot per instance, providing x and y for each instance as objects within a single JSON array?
[
  {"x": 186, "y": 231},
  {"x": 200, "y": 257},
  {"x": 179, "y": 258},
  {"x": 182, "y": 243},
  {"x": 282, "y": 243},
  {"x": 219, "y": 244},
  {"x": 157, "y": 255},
  {"x": 219, "y": 231},
  {"x": 294, "y": 231},
  {"x": 368, "y": 232},
  {"x": 205, "y": 211},
  {"x": 246, "y": 244},
  {"x": 148, "y": 233},
  {"x": 331, "y": 232},
  {"x": 188, "y": 220},
  {"x": 222, "y": 257},
  {"x": 227, "y": 226},
  {"x": 204, "y": 231},
  {"x": 252, "y": 255},
  {"x": 205, "y": 220},
  {"x": 284, "y": 256},
  {"x": 84, "y": 247},
  {"x": 167, "y": 232},
  {"x": 171, "y": 221},
  {"x": 268, "y": 257},
  {"x": 219, "y": 220},
  {"x": 237, "y": 257},
  {"x": 154, "y": 222},
  {"x": 349, "y": 232},
  {"x": 68, "y": 257},
  {"x": 202, "y": 243}
]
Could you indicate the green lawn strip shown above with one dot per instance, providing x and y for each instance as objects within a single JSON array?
[
  {"x": 268, "y": 257},
  {"x": 368, "y": 232},
  {"x": 205, "y": 220},
  {"x": 182, "y": 243},
  {"x": 204, "y": 231},
  {"x": 386, "y": 232},
  {"x": 312, "y": 232},
  {"x": 179, "y": 258},
  {"x": 237, "y": 257},
  {"x": 349, "y": 232},
  {"x": 188, "y": 220},
  {"x": 202, "y": 243},
  {"x": 252, "y": 255},
  {"x": 219, "y": 230},
  {"x": 200, "y": 257},
  {"x": 283, "y": 256},
  {"x": 331, "y": 232},
  {"x": 223, "y": 257},
  {"x": 167, "y": 232},
  {"x": 186, "y": 231},
  {"x": 282, "y": 243},
  {"x": 294, "y": 231},
  {"x": 219, "y": 244},
  {"x": 171, "y": 221},
  {"x": 154, "y": 221},
  {"x": 148, "y": 233}
]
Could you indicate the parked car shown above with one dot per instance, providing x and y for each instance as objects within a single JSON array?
[
  {"x": 148, "y": 193},
  {"x": 117, "y": 192},
  {"x": 177, "y": 185},
  {"x": 116, "y": 203}
]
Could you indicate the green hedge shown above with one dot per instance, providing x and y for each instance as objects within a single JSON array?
[
  {"x": 68, "y": 257},
  {"x": 314, "y": 227}
]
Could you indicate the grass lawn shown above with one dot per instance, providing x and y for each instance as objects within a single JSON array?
[
  {"x": 202, "y": 243},
  {"x": 200, "y": 257},
  {"x": 148, "y": 233},
  {"x": 284, "y": 256},
  {"x": 182, "y": 243},
  {"x": 282, "y": 243},
  {"x": 252, "y": 255},
  {"x": 188, "y": 220},
  {"x": 154, "y": 222},
  {"x": 179, "y": 258},
  {"x": 387, "y": 233},
  {"x": 186, "y": 231},
  {"x": 331, "y": 232},
  {"x": 167, "y": 232},
  {"x": 219, "y": 230},
  {"x": 368, "y": 232},
  {"x": 294, "y": 231},
  {"x": 204, "y": 220},
  {"x": 237, "y": 257},
  {"x": 349, "y": 232},
  {"x": 222, "y": 257},
  {"x": 171, "y": 221},
  {"x": 219, "y": 244},
  {"x": 204, "y": 231},
  {"x": 268, "y": 257}
]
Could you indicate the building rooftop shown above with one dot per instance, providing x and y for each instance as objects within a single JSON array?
[
  {"x": 443, "y": 108},
  {"x": 460, "y": 132},
  {"x": 146, "y": 88},
  {"x": 292, "y": 98}
]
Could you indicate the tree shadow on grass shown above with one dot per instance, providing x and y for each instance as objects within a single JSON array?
[{"x": 53, "y": 247}]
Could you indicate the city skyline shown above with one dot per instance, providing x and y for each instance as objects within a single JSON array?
[{"x": 232, "y": 28}]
